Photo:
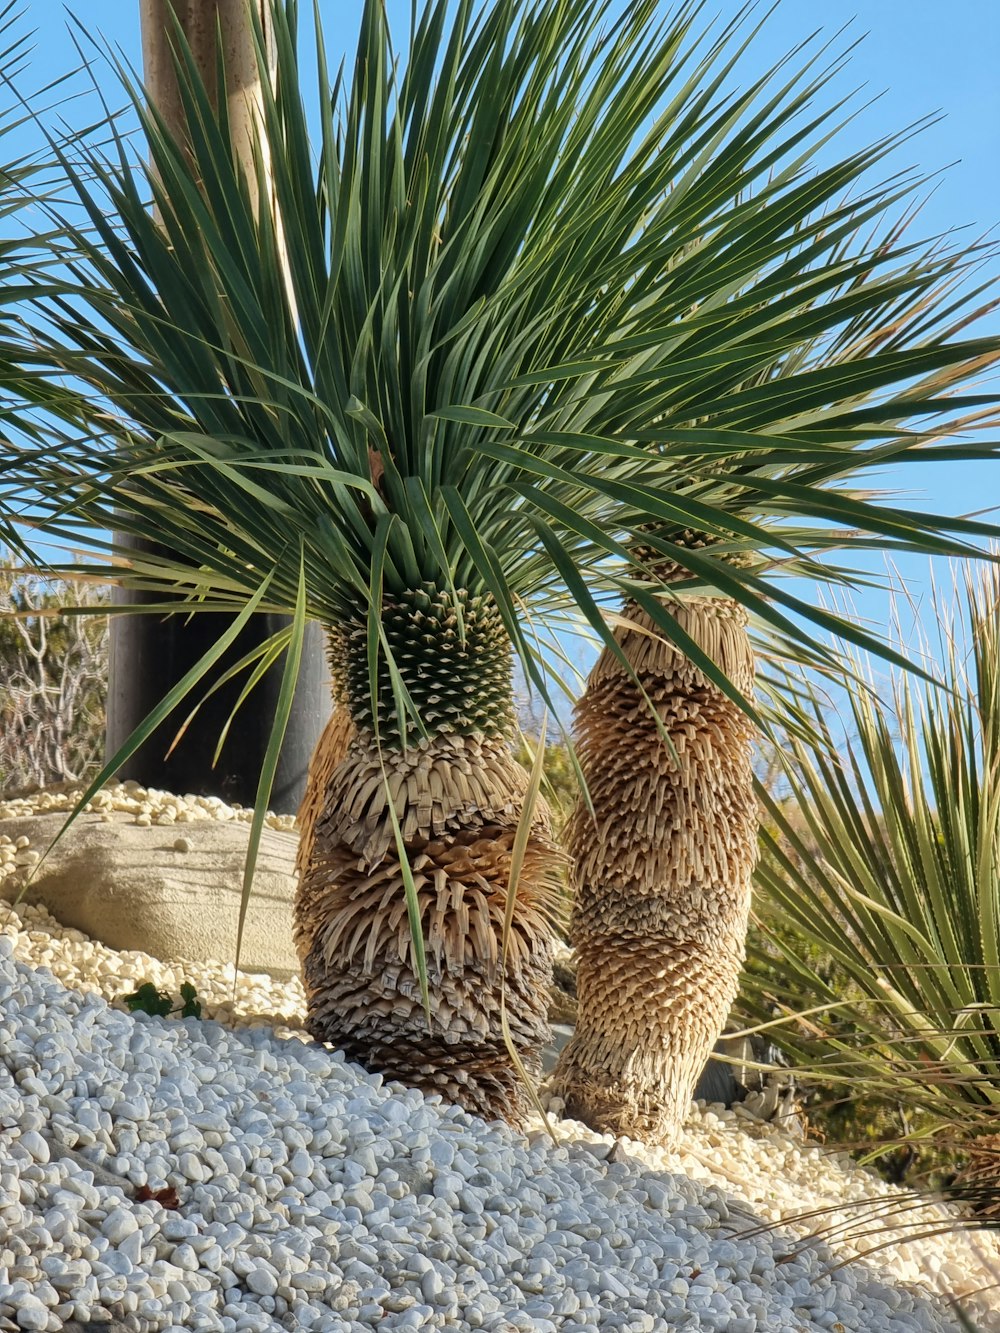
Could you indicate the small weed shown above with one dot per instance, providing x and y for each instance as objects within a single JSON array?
[{"x": 148, "y": 1000}]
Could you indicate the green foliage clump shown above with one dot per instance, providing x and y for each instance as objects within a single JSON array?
[
  {"x": 559, "y": 781},
  {"x": 147, "y": 999},
  {"x": 898, "y": 1140},
  {"x": 879, "y": 903}
]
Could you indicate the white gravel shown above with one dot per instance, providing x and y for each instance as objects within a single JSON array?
[
  {"x": 312, "y": 1196},
  {"x": 147, "y": 805}
]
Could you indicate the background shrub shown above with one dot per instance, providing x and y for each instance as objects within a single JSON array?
[{"x": 53, "y": 679}]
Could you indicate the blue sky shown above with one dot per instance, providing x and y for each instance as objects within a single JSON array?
[
  {"x": 912, "y": 59},
  {"x": 919, "y": 63}
]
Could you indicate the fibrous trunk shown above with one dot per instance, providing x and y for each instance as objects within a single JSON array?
[
  {"x": 458, "y": 794},
  {"x": 330, "y": 753},
  {"x": 662, "y": 871}
]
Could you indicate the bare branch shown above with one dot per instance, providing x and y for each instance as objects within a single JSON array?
[{"x": 53, "y": 680}]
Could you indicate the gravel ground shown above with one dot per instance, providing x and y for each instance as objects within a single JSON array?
[{"x": 291, "y": 1190}]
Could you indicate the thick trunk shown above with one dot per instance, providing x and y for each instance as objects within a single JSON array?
[
  {"x": 204, "y": 23},
  {"x": 330, "y": 753},
  {"x": 662, "y": 870},
  {"x": 458, "y": 796}
]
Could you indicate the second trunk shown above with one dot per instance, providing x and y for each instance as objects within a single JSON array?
[{"x": 662, "y": 868}]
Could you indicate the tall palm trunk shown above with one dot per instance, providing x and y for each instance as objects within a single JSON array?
[
  {"x": 458, "y": 796},
  {"x": 149, "y": 654},
  {"x": 212, "y": 29},
  {"x": 662, "y": 870}
]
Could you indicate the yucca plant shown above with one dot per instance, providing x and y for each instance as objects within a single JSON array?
[
  {"x": 886, "y": 858},
  {"x": 551, "y": 320}
]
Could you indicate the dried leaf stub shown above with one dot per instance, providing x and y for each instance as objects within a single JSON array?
[
  {"x": 166, "y": 1198},
  {"x": 376, "y": 468},
  {"x": 663, "y": 872},
  {"x": 458, "y": 801}
]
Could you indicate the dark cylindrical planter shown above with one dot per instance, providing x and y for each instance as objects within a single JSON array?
[{"x": 150, "y": 654}]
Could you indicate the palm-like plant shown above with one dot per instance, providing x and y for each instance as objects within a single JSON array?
[
  {"x": 548, "y": 299},
  {"x": 886, "y": 856},
  {"x": 664, "y": 839}
]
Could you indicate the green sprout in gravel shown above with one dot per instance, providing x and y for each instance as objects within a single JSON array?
[{"x": 148, "y": 999}]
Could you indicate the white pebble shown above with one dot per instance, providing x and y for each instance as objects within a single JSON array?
[
  {"x": 31, "y": 1313},
  {"x": 36, "y": 1145},
  {"x": 263, "y": 1281},
  {"x": 119, "y": 1224}
]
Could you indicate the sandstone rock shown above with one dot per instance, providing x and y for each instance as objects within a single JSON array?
[{"x": 134, "y": 888}]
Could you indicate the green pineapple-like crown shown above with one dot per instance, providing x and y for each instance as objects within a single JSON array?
[{"x": 453, "y": 657}]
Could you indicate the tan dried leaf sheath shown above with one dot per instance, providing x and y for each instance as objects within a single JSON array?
[
  {"x": 458, "y": 800},
  {"x": 663, "y": 877},
  {"x": 458, "y": 796},
  {"x": 330, "y": 751}
]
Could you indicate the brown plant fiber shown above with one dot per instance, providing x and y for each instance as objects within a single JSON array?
[
  {"x": 977, "y": 1183},
  {"x": 330, "y": 752},
  {"x": 662, "y": 871},
  {"x": 458, "y": 800}
]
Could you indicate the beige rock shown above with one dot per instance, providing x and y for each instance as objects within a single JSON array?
[{"x": 132, "y": 887}]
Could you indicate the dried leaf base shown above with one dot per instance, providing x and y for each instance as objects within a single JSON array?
[
  {"x": 330, "y": 753},
  {"x": 458, "y": 801},
  {"x": 662, "y": 872},
  {"x": 649, "y": 1015}
]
